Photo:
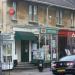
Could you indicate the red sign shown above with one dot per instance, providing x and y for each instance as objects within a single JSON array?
[
  {"x": 66, "y": 33},
  {"x": 11, "y": 11},
  {"x": 63, "y": 33},
  {"x": 71, "y": 33}
]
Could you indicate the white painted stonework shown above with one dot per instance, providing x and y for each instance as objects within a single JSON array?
[{"x": 35, "y": 31}]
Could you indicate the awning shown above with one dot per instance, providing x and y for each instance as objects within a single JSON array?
[
  {"x": 65, "y": 33},
  {"x": 24, "y": 36}
]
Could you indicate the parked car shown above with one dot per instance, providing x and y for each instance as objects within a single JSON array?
[{"x": 66, "y": 65}]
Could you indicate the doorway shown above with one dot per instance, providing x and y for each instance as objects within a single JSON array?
[
  {"x": 24, "y": 51},
  {"x": 62, "y": 44}
]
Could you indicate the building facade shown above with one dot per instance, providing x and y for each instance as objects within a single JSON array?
[{"x": 33, "y": 30}]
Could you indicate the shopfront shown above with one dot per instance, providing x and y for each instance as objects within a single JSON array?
[
  {"x": 66, "y": 42},
  {"x": 26, "y": 41},
  {"x": 23, "y": 45},
  {"x": 6, "y": 51},
  {"x": 46, "y": 47},
  {"x": 49, "y": 43},
  {"x": 28, "y": 45}
]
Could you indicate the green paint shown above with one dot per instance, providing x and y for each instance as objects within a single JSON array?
[{"x": 50, "y": 30}]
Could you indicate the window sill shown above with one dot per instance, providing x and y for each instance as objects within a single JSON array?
[
  {"x": 72, "y": 26},
  {"x": 59, "y": 25},
  {"x": 14, "y": 20},
  {"x": 33, "y": 22}
]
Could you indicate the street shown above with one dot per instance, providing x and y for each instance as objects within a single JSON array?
[{"x": 28, "y": 72}]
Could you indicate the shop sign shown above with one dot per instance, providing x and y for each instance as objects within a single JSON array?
[
  {"x": 48, "y": 30},
  {"x": 73, "y": 34},
  {"x": 35, "y": 31},
  {"x": 43, "y": 30},
  {"x": 51, "y": 31},
  {"x": 7, "y": 37},
  {"x": 11, "y": 11}
]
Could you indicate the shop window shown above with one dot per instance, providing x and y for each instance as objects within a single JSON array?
[{"x": 7, "y": 51}]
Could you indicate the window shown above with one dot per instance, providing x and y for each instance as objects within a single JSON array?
[
  {"x": 7, "y": 51},
  {"x": 72, "y": 19},
  {"x": 33, "y": 13},
  {"x": 59, "y": 17},
  {"x": 14, "y": 16}
]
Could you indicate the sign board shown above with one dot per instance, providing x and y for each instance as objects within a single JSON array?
[
  {"x": 11, "y": 11},
  {"x": 51, "y": 31},
  {"x": 7, "y": 37},
  {"x": 33, "y": 30},
  {"x": 43, "y": 30},
  {"x": 73, "y": 34},
  {"x": 48, "y": 30}
]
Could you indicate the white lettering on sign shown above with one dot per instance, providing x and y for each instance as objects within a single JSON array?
[
  {"x": 73, "y": 34},
  {"x": 8, "y": 37}
]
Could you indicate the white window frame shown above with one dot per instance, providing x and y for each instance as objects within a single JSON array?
[
  {"x": 30, "y": 12},
  {"x": 72, "y": 19},
  {"x": 33, "y": 13}
]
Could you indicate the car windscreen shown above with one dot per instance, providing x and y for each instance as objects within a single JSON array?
[{"x": 68, "y": 58}]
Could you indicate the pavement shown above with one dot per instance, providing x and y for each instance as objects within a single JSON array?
[{"x": 46, "y": 71}]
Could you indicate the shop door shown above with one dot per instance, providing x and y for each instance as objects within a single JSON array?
[{"x": 24, "y": 51}]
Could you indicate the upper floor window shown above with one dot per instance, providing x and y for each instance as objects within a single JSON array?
[
  {"x": 33, "y": 13},
  {"x": 72, "y": 19},
  {"x": 59, "y": 17},
  {"x": 14, "y": 6}
]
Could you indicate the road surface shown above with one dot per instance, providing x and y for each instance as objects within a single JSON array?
[{"x": 28, "y": 72}]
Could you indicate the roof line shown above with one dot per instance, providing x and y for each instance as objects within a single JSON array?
[{"x": 51, "y": 4}]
